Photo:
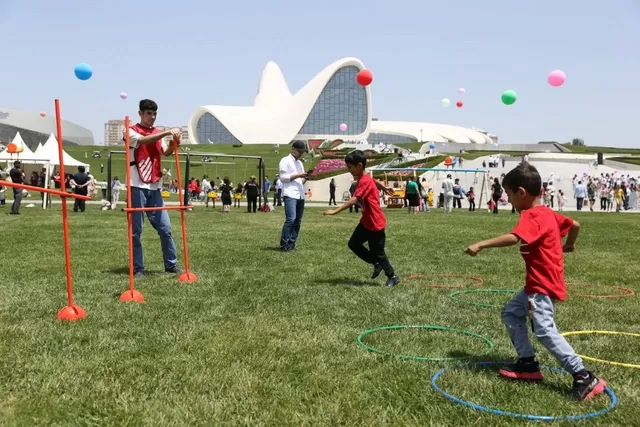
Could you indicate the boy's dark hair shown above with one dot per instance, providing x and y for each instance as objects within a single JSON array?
[
  {"x": 355, "y": 157},
  {"x": 148, "y": 105},
  {"x": 524, "y": 175}
]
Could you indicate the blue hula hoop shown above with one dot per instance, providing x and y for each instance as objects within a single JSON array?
[{"x": 434, "y": 379}]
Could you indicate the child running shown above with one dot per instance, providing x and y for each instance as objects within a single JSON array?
[
  {"x": 539, "y": 232},
  {"x": 373, "y": 222}
]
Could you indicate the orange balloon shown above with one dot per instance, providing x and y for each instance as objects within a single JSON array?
[
  {"x": 12, "y": 148},
  {"x": 43, "y": 114}
]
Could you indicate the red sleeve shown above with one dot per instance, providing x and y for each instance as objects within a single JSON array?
[
  {"x": 528, "y": 228},
  {"x": 564, "y": 223}
]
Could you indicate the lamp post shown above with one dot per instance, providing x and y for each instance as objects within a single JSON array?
[{"x": 421, "y": 135}]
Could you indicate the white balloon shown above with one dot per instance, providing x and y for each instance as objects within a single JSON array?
[{"x": 445, "y": 102}]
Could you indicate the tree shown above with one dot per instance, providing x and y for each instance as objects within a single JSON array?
[{"x": 577, "y": 141}]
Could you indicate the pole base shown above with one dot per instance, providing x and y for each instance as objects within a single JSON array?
[
  {"x": 131, "y": 295},
  {"x": 187, "y": 277},
  {"x": 72, "y": 313}
]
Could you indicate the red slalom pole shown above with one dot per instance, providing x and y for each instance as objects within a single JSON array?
[
  {"x": 45, "y": 190},
  {"x": 71, "y": 312},
  {"x": 187, "y": 276},
  {"x": 130, "y": 294}
]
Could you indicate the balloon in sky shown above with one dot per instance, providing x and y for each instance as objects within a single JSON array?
[
  {"x": 123, "y": 95},
  {"x": 43, "y": 114},
  {"x": 556, "y": 78},
  {"x": 83, "y": 71},
  {"x": 432, "y": 146},
  {"x": 509, "y": 97},
  {"x": 459, "y": 104},
  {"x": 364, "y": 78},
  {"x": 462, "y": 91},
  {"x": 445, "y": 102},
  {"x": 343, "y": 127}
]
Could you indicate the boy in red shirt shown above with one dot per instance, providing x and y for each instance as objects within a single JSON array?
[
  {"x": 539, "y": 232},
  {"x": 373, "y": 222}
]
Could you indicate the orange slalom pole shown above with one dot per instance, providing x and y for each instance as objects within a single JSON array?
[
  {"x": 187, "y": 276},
  {"x": 130, "y": 294},
  {"x": 158, "y": 208},
  {"x": 45, "y": 190},
  {"x": 71, "y": 312}
]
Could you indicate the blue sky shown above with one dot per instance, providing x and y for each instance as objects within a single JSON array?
[{"x": 189, "y": 53}]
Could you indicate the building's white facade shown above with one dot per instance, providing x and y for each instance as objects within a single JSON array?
[
  {"x": 316, "y": 111},
  {"x": 114, "y": 129}
]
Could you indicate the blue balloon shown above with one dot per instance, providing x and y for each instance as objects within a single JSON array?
[
  {"x": 83, "y": 71},
  {"x": 432, "y": 146}
]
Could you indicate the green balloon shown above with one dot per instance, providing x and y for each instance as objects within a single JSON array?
[{"x": 509, "y": 97}]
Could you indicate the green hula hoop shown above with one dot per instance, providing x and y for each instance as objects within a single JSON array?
[
  {"x": 480, "y": 304},
  {"x": 489, "y": 343}
]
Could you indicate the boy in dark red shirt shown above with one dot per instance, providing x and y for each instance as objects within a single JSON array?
[
  {"x": 539, "y": 232},
  {"x": 373, "y": 222}
]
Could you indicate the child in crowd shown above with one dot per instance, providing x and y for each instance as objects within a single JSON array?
[
  {"x": 562, "y": 201},
  {"x": 471, "y": 196},
  {"x": 539, "y": 232},
  {"x": 372, "y": 224}
]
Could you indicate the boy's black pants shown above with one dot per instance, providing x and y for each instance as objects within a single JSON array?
[{"x": 375, "y": 254}]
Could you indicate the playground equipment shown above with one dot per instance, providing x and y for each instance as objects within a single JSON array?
[
  {"x": 132, "y": 294},
  {"x": 71, "y": 311}
]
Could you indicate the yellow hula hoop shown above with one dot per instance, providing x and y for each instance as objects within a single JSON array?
[{"x": 608, "y": 362}]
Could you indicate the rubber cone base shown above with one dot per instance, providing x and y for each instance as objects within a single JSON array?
[
  {"x": 188, "y": 277},
  {"x": 72, "y": 313},
  {"x": 131, "y": 295}
]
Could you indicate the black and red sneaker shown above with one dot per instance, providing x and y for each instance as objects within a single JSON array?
[
  {"x": 522, "y": 370},
  {"x": 587, "y": 386}
]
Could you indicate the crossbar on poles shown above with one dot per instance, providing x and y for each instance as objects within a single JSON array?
[
  {"x": 46, "y": 190},
  {"x": 131, "y": 294},
  {"x": 157, "y": 208},
  {"x": 429, "y": 170},
  {"x": 187, "y": 276},
  {"x": 71, "y": 311}
]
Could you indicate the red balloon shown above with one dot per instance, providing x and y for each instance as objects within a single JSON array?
[
  {"x": 459, "y": 104},
  {"x": 12, "y": 148},
  {"x": 364, "y": 78}
]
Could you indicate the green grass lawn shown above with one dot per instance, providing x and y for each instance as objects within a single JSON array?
[{"x": 266, "y": 338}]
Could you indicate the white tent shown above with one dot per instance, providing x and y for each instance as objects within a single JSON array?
[
  {"x": 50, "y": 151},
  {"x": 39, "y": 147},
  {"x": 26, "y": 155}
]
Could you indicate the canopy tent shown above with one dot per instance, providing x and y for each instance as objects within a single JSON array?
[
  {"x": 50, "y": 151},
  {"x": 25, "y": 154},
  {"x": 39, "y": 147}
]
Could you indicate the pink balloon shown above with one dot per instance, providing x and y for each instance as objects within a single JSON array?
[
  {"x": 123, "y": 95},
  {"x": 556, "y": 78},
  {"x": 343, "y": 127}
]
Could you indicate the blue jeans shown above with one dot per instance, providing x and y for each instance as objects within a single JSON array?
[
  {"x": 293, "y": 211},
  {"x": 141, "y": 198},
  {"x": 514, "y": 316},
  {"x": 17, "y": 198}
]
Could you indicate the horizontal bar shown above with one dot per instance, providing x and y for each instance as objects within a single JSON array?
[
  {"x": 157, "y": 208},
  {"x": 237, "y": 156},
  {"x": 45, "y": 190},
  {"x": 428, "y": 169}
]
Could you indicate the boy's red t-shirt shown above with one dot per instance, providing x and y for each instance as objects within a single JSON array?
[
  {"x": 373, "y": 218},
  {"x": 540, "y": 231}
]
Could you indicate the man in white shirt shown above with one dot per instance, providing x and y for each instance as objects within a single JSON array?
[
  {"x": 293, "y": 177},
  {"x": 147, "y": 147},
  {"x": 447, "y": 188}
]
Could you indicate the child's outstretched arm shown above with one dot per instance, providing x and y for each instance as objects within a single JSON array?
[
  {"x": 570, "y": 243},
  {"x": 352, "y": 201},
  {"x": 496, "y": 242},
  {"x": 387, "y": 191}
]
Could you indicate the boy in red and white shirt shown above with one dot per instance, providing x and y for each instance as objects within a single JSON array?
[
  {"x": 373, "y": 222},
  {"x": 539, "y": 231}
]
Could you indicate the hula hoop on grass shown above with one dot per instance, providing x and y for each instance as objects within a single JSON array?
[
  {"x": 480, "y": 304},
  {"x": 489, "y": 343},
  {"x": 434, "y": 380},
  {"x": 478, "y": 281},
  {"x": 629, "y": 292},
  {"x": 608, "y": 362}
]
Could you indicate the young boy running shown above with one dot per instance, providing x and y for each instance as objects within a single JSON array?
[
  {"x": 373, "y": 222},
  {"x": 539, "y": 231}
]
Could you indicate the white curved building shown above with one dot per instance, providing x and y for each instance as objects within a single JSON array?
[{"x": 316, "y": 111}]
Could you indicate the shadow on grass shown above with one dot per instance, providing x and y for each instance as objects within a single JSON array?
[
  {"x": 497, "y": 360},
  {"x": 124, "y": 271},
  {"x": 348, "y": 281}
]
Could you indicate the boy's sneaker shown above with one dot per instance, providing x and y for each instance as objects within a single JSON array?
[
  {"x": 586, "y": 387},
  {"x": 174, "y": 270},
  {"x": 392, "y": 281},
  {"x": 377, "y": 269},
  {"x": 521, "y": 370}
]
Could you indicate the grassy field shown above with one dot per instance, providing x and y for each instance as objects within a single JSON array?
[{"x": 269, "y": 338}]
